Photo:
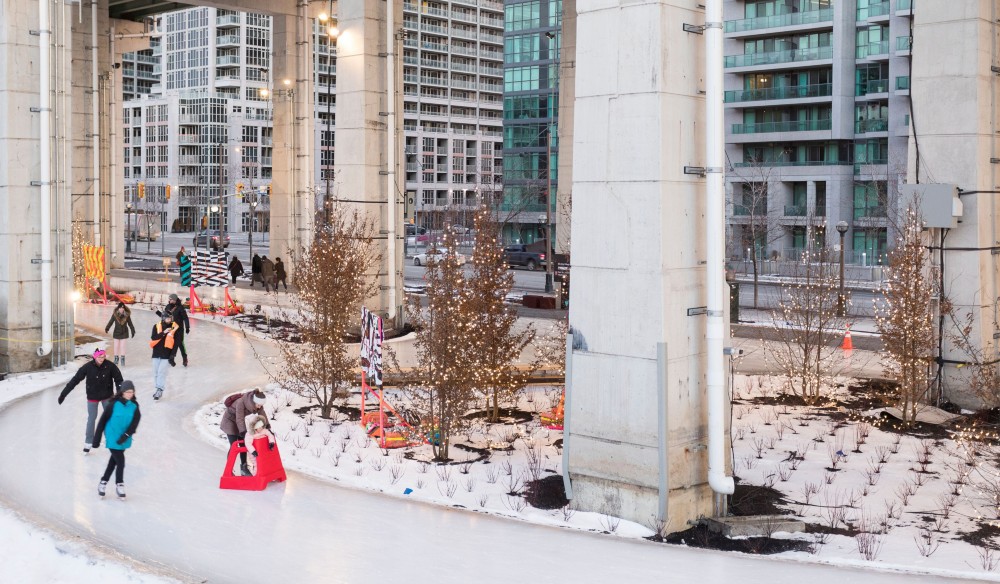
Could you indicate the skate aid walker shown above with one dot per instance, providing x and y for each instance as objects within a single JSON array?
[{"x": 269, "y": 467}]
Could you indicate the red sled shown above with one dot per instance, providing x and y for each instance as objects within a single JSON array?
[{"x": 269, "y": 467}]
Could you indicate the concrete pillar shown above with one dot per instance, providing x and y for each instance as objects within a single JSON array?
[
  {"x": 364, "y": 180},
  {"x": 635, "y": 131},
  {"x": 293, "y": 188},
  {"x": 567, "y": 94},
  {"x": 955, "y": 98}
]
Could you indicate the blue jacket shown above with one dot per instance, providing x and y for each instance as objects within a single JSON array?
[{"x": 119, "y": 420}]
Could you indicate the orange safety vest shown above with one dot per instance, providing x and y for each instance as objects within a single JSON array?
[{"x": 169, "y": 341}]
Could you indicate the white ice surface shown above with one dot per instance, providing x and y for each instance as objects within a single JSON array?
[{"x": 305, "y": 530}]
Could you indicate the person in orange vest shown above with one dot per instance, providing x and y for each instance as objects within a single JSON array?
[{"x": 162, "y": 343}]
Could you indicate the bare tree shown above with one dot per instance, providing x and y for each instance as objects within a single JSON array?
[
  {"x": 906, "y": 321},
  {"x": 807, "y": 327},
  {"x": 758, "y": 223},
  {"x": 333, "y": 278}
]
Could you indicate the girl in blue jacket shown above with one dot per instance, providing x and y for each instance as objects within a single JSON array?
[{"x": 117, "y": 425}]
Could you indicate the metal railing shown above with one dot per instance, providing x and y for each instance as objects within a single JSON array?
[
  {"x": 794, "y": 163},
  {"x": 792, "y": 19},
  {"x": 777, "y": 57},
  {"x": 876, "y": 125},
  {"x": 789, "y": 126},
  {"x": 788, "y": 92}
]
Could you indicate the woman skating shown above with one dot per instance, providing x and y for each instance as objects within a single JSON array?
[{"x": 121, "y": 319}]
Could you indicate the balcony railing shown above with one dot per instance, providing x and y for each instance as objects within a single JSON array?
[
  {"x": 872, "y": 86},
  {"x": 904, "y": 4},
  {"x": 788, "y": 92},
  {"x": 860, "y": 167},
  {"x": 795, "y": 210},
  {"x": 904, "y": 43},
  {"x": 751, "y": 164},
  {"x": 228, "y": 20},
  {"x": 903, "y": 83},
  {"x": 227, "y": 60},
  {"x": 872, "y": 49},
  {"x": 749, "y": 210},
  {"x": 880, "y": 9},
  {"x": 866, "y": 212},
  {"x": 777, "y": 57},
  {"x": 790, "y": 126},
  {"x": 793, "y": 19},
  {"x": 876, "y": 125}
]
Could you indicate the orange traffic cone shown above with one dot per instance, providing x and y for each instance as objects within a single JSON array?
[{"x": 847, "y": 345}]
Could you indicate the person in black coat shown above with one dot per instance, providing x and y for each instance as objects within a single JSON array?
[
  {"x": 255, "y": 270},
  {"x": 235, "y": 268},
  {"x": 103, "y": 377},
  {"x": 175, "y": 309}
]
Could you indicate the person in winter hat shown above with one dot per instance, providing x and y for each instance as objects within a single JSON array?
[
  {"x": 257, "y": 428},
  {"x": 121, "y": 319},
  {"x": 162, "y": 341},
  {"x": 102, "y": 378},
  {"x": 267, "y": 272},
  {"x": 176, "y": 309},
  {"x": 118, "y": 425},
  {"x": 235, "y": 268},
  {"x": 279, "y": 274},
  {"x": 234, "y": 420}
]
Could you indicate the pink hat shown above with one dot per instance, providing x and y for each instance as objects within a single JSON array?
[{"x": 99, "y": 353}]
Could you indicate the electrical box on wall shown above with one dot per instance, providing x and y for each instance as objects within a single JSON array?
[{"x": 938, "y": 204}]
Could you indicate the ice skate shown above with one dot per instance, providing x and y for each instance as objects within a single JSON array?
[
  {"x": 245, "y": 470},
  {"x": 185, "y": 361},
  {"x": 158, "y": 394},
  {"x": 102, "y": 488},
  {"x": 86, "y": 448},
  {"x": 120, "y": 490}
]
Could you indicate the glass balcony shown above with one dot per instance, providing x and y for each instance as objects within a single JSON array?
[
  {"x": 876, "y": 125},
  {"x": 904, "y": 43},
  {"x": 792, "y": 92},
  {"x": 796, "y": 18},
  {"x": 793, "y": 163},
  {"x": 870, "y": 212},
  {"x": 874, "y": 9},
  {"x": 868, "y": 167},
  {"x": 777, "y": 57},
  {"x": 790, "y": 126},
  {"x": 748, "y": 210},
  {"x": 904, "y": 4},
  {"x": 795, "y": 211},
  {"x": 872, "y": 49},
  {"x": 872, "y": 86},
  {"x": 903, "y": 83}
]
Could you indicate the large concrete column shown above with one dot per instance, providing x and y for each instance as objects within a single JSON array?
[
  {"x": 639, "y": 120},
  {"x": 293, "y": 184},
  {"x": 567, "y": 95},
  {"x": 364, "y": 180},
  {"x": 955, "y": 99}
]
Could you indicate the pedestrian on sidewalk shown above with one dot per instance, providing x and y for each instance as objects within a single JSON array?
[
  {"x": 180, "y": 316},
  {"x": 234, "y": 420},
  {"x": 118, "y": 424},
  {"x": 279, "y": 274},
  {"x": 102, "y": 378},
  {"x": 254, "y": 269},
  {"x": 121, "y": 319},
  {"x": 235, "y": 268},
  {"x": 162, "y": 342},
  {"x": 267, "y": 273}
]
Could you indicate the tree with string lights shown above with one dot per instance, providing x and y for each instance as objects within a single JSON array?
[
  {"x": 442, "y": 386},
  {"x": 806, "y": 326},
  {"x": 906, "y": 320},
  {"x": 496, "y": 345},
  {"x": 334, "y": 277}
]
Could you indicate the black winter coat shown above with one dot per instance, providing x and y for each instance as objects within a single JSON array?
[
  {"x": 180, "y": 316},
  {"x": 101, "y": 381},
  {"x": 255, "y": 264}
]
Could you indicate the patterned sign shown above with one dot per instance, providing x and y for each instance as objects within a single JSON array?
[
  {"x": 93, "y": 261},
  {"x": 185, "y": 269},
  {"x": 211, "y": 269},
  {"x": 371, "y": 346}
]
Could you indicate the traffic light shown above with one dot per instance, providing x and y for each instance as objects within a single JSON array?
[
  {"x": 168, "y": 192},
  {"x": 239, "y": 190},
  {"x": 269, "y": 189},
  {"x": 142, "y": 190}
]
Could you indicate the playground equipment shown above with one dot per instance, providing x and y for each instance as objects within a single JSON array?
[
  {"x": 269, "y": 467},
  {"x": 377, "y": 423}
]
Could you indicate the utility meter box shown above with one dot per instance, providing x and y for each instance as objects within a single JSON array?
[{"x": 938, "y": 204}]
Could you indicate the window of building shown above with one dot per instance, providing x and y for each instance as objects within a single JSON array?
[{"x": 522, "y": 16}]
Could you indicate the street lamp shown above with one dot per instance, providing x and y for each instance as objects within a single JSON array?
[
  {"x": 128, "y": 227},
  {"x": 549, "y": 258},
  {"x": 332, "y": 32},
  {"x": 841, "y": 299}
]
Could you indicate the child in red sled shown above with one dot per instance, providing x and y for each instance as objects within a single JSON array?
[{"x": 256, "y": 425}]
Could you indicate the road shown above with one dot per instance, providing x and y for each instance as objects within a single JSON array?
[{"x": 305, "y": 530}]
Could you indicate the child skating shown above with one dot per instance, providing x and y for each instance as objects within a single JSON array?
[{"x": 117, "y": 425}]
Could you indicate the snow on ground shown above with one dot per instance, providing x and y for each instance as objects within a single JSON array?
[{"x": 34, "y": 554}]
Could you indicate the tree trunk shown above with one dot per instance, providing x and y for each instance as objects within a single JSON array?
[{"x": 756, "y": 279}]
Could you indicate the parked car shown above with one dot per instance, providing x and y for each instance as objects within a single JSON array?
[
  {"x": 519, "y": 255},
  {"x": 210, "y": 239},
  {"x": 421, "y": 259}
]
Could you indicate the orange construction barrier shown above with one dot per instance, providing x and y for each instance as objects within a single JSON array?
[
  {"x": 269, "y": 467},
  {"x": 847, "y": 345}
]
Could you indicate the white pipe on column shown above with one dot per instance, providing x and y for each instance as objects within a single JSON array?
[
  {"x": 113, "y": 140},
  {"x": 390, "y": 73},
  {"x": 45, "y": 176},
  {"x": 95, "y": 112},
  {"x": 715, "y": 219}
]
